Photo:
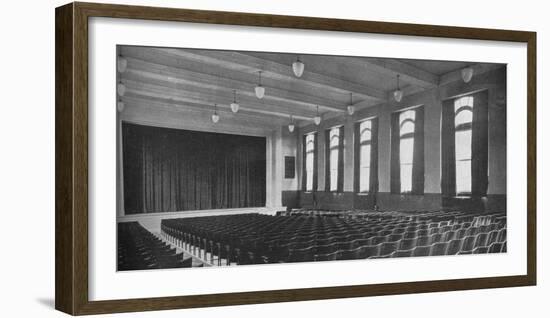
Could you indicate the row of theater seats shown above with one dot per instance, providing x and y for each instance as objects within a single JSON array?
[
  {"x": 433, "y": 215},
  {"x": 257, "y": 239},
  {"x": 140, "y": 249}
]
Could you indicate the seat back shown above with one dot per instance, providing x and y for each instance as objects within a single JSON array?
[
  {"x": 481, "y": 250},
  {"x": 402, "y": 253},
  {"x": 492, "y": 237},
  {"x": 407, "y": 244},
  {"x": 481, "y": 240},
  {"x": 495, "y": 247},
  {"x": 448, "y": 236},
  {"x": 460, "y": 234},
  {"x": 326, "y": 249},
  {"x": 394, "y": 237},
  {"x": 472, "y": 231},
  {"x": 435, "y": 238},
  {"x": 398, "y": 230},
  {"x": 375, "y": 240},
  {"x": 387, "y": 248},
  {"x": 468, "y": 244},
  {"x": 423, "y": 241},
  {"x": 422, "y": 233},
  {"x": 501, "y": 235},
  {"x": 326, "y": 257},
  {"x": 346, "y": 254},
  {"x": 421, "y": 251},
  {"x": 301, "y": 255},
  {"x": 434, "y": 230},
  {"x": 454, "y": 247},
  {"x": 368, "y": 251},
  {"x": 438, "y": 248}
]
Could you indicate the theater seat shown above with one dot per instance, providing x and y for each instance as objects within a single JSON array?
[
  {"x": 481, "y": 250},
  {"x": 438, "y": 248},
  {"x": 407, "y": 244},
  {"x": 454, "y": 247},
  {"x": 326, "y": 257},
  {"x": 387, "y": 248},
  {"x": 481, "y": 240},
  {"x": 501, "y": 236},
  {"x": 467, "y": 245},
  {"x": 316, "y": 235},
  {"x": 402, "y": 253},
  {"x": 495, "y": 247},
  {"x": 421, "y": 251}
]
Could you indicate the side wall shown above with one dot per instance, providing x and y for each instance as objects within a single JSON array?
[{"x": 494, "y": 81}]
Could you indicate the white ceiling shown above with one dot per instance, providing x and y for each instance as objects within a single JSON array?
[{"x": 197, "y": 79}]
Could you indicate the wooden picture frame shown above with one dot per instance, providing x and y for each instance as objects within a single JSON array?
[{"x": 71, "y": 90}]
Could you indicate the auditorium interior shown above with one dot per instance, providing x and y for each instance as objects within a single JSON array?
[{"x": 237, "y": 158}]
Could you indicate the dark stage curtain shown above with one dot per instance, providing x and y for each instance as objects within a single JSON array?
[
  {"x": 175, "y": 170},
  {"x": 480, "y": 147},
  {"x": 395, "y": 169},
  {"x": 448, "y": 164},
  {"x": 340, "y": 181},
  {"x": 418, "y": 152},
  {"x": 373, "y": 181}
]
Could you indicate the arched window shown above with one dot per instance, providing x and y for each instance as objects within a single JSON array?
[
  {"x": 333, "y": 157},
  {"x": 406, "y": 148},
  {"x": 463, "y": 108},
  {"x": 309, "y": 158},
  {"x": 365, "y": 135}
]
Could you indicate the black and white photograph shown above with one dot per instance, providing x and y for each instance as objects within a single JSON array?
[{"x": 229, "y": 158}]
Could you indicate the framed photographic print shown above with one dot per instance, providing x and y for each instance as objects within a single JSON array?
[{"x": 219, "y": 158}]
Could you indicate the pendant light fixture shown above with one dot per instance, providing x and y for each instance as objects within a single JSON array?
[
  {"x": 234, "y": 105},
  {"x": 351, "y": 108},
  {"x": 398, "y": 93},
  {"x": 120, "y": 106},
  {"x": 121, "y": 64},
  {"x": 259, "y": 90},
  {"x": 298, "y": 67},
  {"x": 317, "y": 118},
  {"x": 215, "y": 116},
  {"x": 121, "y": 88},
  {"x": 291, "y": 124},
  {"x": 467, "y": 74}
]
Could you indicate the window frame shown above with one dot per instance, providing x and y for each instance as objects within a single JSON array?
[
  {"x": 328, "y": 160},
  {"x": 404, "y": 136},
  {"x": 312, "y": 153},
  {"x": 468, "y": 126},
  {"x": 359, "y": 157}
]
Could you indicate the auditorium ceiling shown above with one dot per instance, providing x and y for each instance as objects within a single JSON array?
[{"x": 197, "y": 79}]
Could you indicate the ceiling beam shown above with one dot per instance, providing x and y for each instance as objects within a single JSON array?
[
  {"x": 479, "y": 68},
  {"x": 444, "y": 79},
  {"x": 140, "y": 70},
  {"x": 186, "y": 119},
  {"x": 206, "y": 97},
  {"x": 153, "y": 105},
  {"x": 409, "y": 74},
  {"x": 243, "y": 62}
]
